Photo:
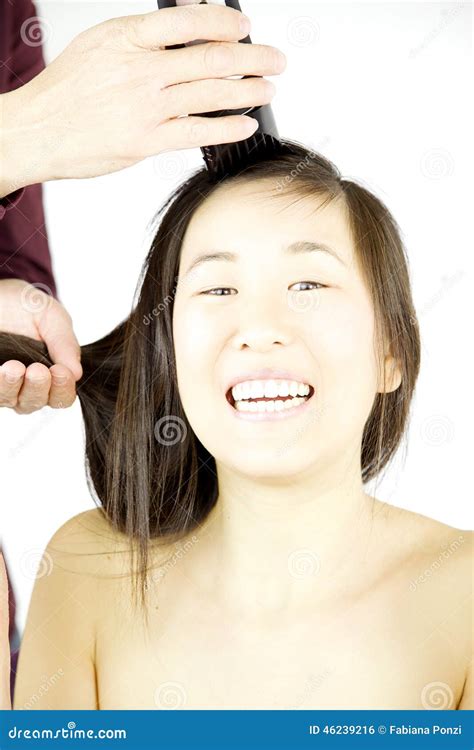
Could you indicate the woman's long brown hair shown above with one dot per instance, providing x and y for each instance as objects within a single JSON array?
[{"x": 150, "y": 473}]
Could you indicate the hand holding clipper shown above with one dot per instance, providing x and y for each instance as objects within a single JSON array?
[{"x": 230, "y": 158}]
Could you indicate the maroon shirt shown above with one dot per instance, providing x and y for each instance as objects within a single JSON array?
[{"x": 24, "y": 250}]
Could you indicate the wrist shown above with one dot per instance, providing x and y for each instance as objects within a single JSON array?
[{"x": 23, "y": 156}]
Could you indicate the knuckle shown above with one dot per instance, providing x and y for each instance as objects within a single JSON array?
[
  {"x": 219, "y": 58},
  {"x": 194, "y": 132}
]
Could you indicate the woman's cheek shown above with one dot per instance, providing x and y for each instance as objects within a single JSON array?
[{"x": 344, "y": 348}]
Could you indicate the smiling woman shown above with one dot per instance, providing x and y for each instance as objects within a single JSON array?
[{"x": 264, "y": 375}]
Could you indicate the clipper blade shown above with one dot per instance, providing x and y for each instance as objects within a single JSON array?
[{"x": 228, "y": 159}]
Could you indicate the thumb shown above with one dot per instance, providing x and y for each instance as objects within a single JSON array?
[{"x": 55, "y": 329}]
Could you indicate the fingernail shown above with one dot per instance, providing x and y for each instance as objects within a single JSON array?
[
  {"x": 59, "y": 379},
  {"x": 12, "y": 379},
  {"x": 244, "y": 24}
]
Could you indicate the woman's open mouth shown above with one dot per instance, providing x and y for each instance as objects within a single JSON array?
[{"x": 263, "y": 397}]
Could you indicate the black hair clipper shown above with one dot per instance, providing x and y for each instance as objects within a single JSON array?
[{"x": 225, "y": 159}]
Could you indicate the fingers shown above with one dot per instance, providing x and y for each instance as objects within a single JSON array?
[
  {"x": 11, "y": 380},
  {"x": 62, "y": 393},
  {"x": 190, "y": 132},
  {"x": 220, "y": 60},
  {"x": 184, "y": 24},
  {"x": 34, "y": 392},
  {"x": 55, "y": 329},
  {"x": 215, "y": 94},
  {"x": 36, "y": 386}
]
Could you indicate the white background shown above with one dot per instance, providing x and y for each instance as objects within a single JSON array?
[{"x": 383, "y": 90}]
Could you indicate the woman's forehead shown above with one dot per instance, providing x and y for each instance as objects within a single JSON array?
[{"x": 249, "y": 213}]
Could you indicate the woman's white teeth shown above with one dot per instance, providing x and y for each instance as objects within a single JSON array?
[
  {"x": 261, "y": 406},
  {"x": 269, "y": 389},
  {"x": 282, "y": 394}
]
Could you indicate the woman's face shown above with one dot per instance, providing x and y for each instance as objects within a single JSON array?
[{"x": 267, "y": 310}]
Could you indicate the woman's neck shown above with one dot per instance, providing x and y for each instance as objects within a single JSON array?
[{"x": 271, "y": 545}]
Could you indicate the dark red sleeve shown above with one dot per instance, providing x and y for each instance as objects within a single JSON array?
[{"x": 24, "y": 249}]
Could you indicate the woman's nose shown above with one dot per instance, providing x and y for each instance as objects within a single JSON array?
[{"x": 261, "y": 326}]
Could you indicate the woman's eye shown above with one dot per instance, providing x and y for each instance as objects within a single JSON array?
[
  {"x": 316, "y": 284},
  {"x": 217, "y": 289}
]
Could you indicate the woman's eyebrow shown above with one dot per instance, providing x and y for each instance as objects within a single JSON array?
[{"x": 295, "y": 248}]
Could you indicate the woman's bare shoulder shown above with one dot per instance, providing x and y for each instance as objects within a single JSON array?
[
  {"x": 436, "y": 562},
  {"x": 89, "y": 545},
  {"x": 415, "y": 533},
  {"x": 85, "y": 542}
]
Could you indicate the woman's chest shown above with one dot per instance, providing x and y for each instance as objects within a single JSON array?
[{"x": 378, "y": 652}]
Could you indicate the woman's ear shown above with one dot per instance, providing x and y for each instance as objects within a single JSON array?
[{"x": 393, "y": 376}]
